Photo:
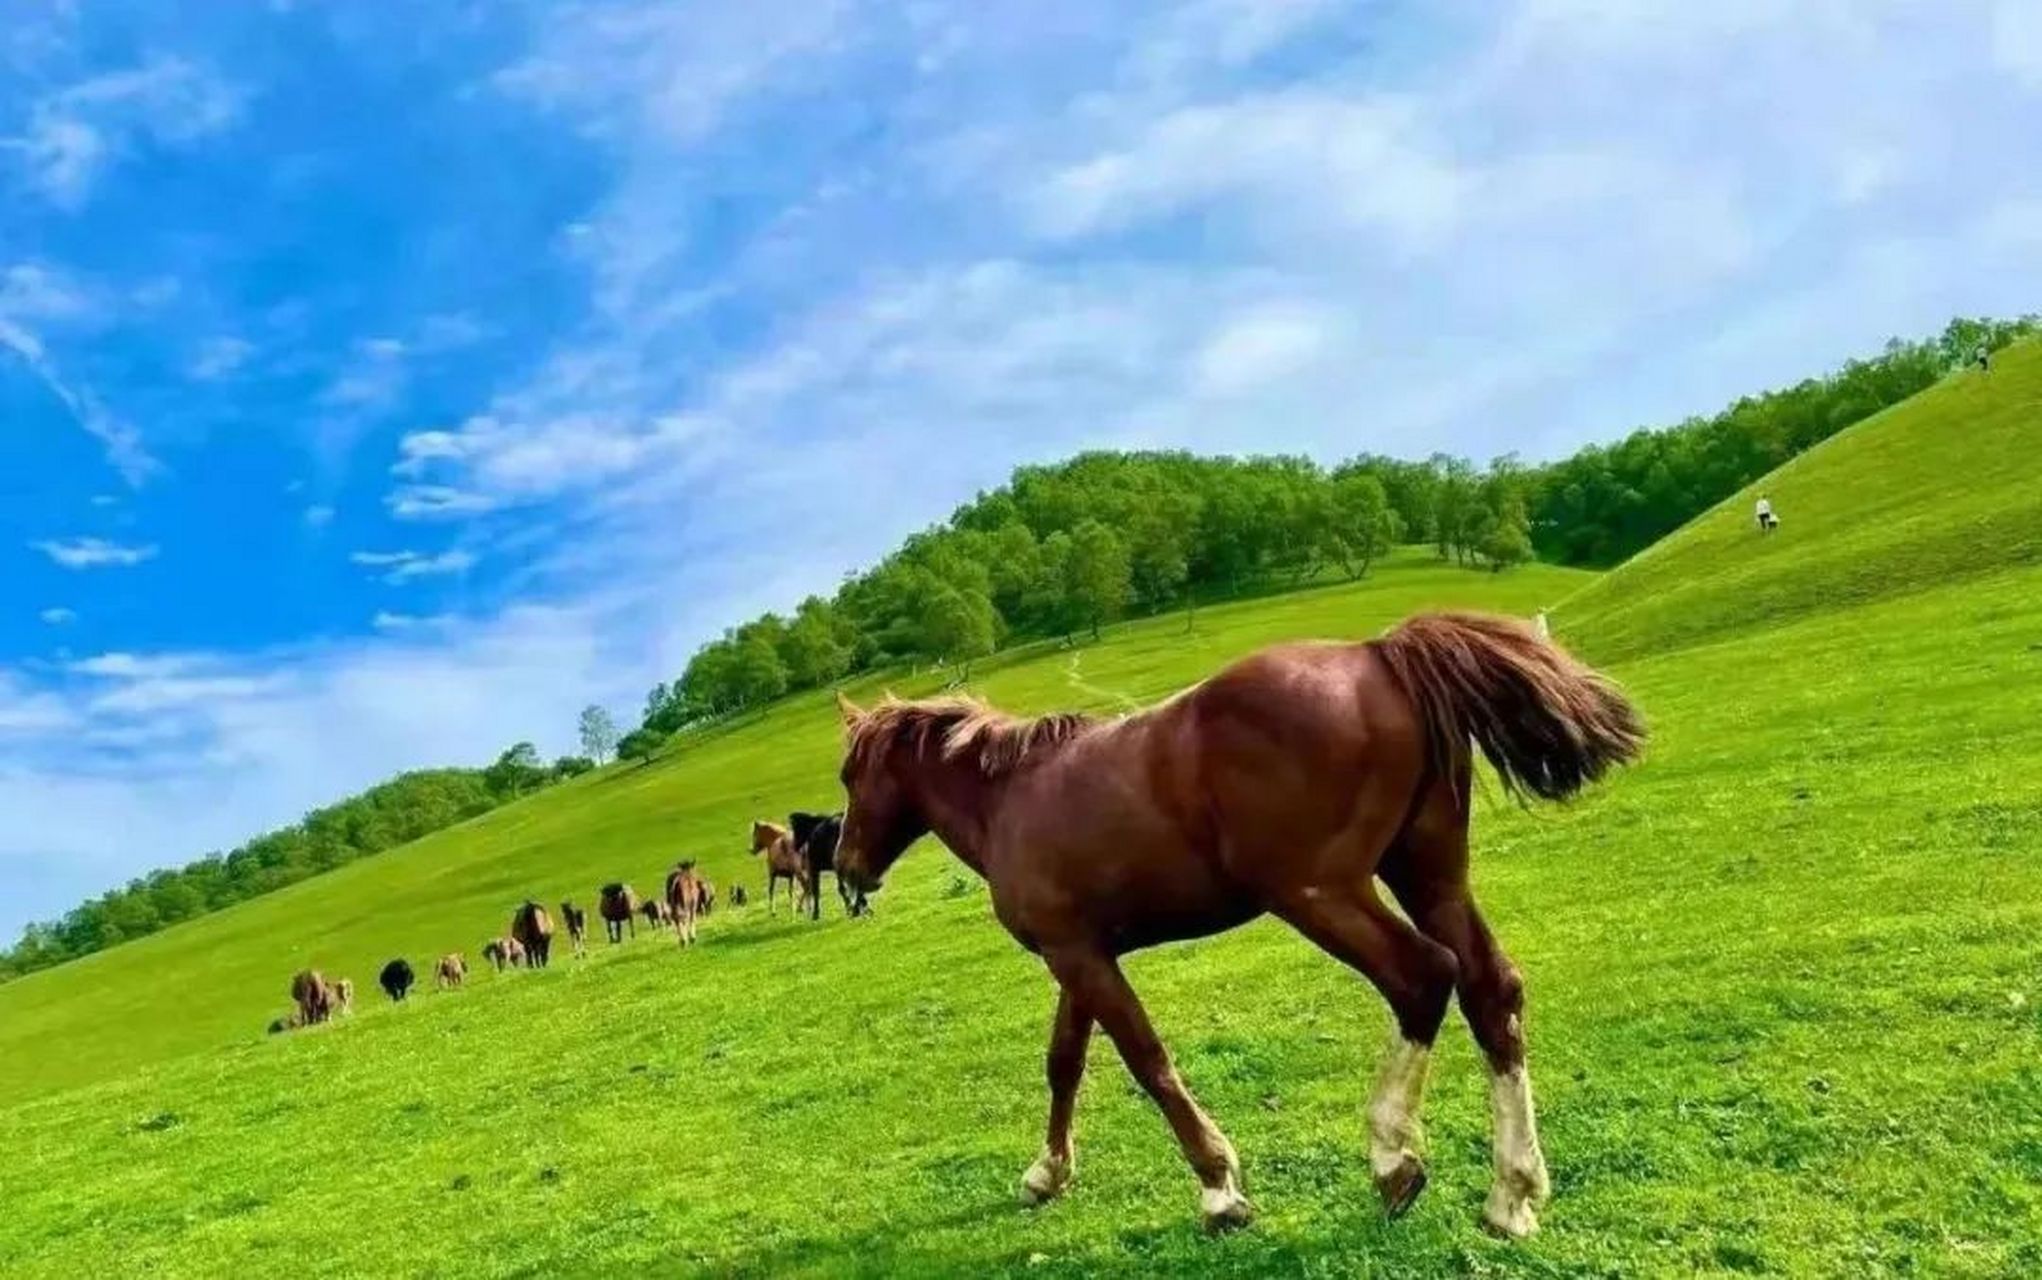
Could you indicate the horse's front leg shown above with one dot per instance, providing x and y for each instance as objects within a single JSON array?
[
  {"x": 1069, "y": 1038},
  {"x": 1093, "y": 978}
]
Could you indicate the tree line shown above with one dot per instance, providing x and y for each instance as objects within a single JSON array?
[
  {"x": 1061, "y": 550},
  {"x": 386, "y": 815}
]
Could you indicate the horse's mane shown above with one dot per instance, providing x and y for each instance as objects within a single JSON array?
[{"x": 961, "y": 726}]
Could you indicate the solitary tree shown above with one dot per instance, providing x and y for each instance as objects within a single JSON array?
[
  {"x": 639, "y": 744},
  {"x": 598, "y": 733}
]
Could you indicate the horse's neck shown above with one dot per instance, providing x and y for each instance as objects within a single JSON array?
[{"x": 959, "y": 802}]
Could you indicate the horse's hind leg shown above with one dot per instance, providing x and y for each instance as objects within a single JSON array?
[
  {"x": 1427, "y": 870},
  {"x": 1416, "y": 977},
  {"x": 1093, "y": 979}
]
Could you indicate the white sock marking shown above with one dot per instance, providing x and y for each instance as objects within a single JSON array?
[{"x": 1393, "y": 1128}]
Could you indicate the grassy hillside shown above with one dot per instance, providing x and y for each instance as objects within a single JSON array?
[
  {"x": 1941, "y": 487},
  {"x": 219, "y": 979},
  {"x": 1785, "y": 977}
]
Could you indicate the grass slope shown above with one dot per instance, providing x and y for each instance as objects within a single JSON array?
[
  {"x": 1786, "y": 1001},
  {"x": 219, "y": 979},
  {"x": 1939, "y": 488}
]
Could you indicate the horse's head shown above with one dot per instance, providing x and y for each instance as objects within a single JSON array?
[
  {"x": 762, "y": 836},
  {"x": 880, "y": 819}
]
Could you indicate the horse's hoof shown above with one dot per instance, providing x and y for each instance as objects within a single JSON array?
[
  {"x": 1045, "y": 1180},
  {"x": 1224, "y": 1209},
  {"x": 1399, "y": 1187},
  {"x": 1509, "y": 1214}
]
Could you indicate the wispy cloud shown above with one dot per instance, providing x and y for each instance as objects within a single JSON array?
[
  {"x": 94, "y": 553},
  {"x": 390, "y": 622},
  {"x": 35, "y": 297},
  {"x": 404, "y": 566},
  {"x": 58, "y": 616},
  {"x": 74, "y": 133},
  {"x": 219, "y": 358}
]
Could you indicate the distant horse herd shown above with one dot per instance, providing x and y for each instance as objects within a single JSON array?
[
  {"x": 801, "y": 852},
  {"x": 1304, "y": 782}
]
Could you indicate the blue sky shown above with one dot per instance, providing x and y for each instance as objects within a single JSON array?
[{"x": 380, "y": 384}]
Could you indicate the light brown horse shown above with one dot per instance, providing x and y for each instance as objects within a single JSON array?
[
  {"x": 618, "y": 906},
  {"x": 533, "y": 929},
  {"x": 783, "y": 862},
  {"x": 343, "y": 990},
  {"x": 1288, "y": 783},
  {"x": 313, "y": 996},
  {"x": 687, "y": 895},
  {"x": 452, "y": 970},
  {"x": 504, "y": 953}
]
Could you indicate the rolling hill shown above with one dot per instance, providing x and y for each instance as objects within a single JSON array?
[{"x": 1785, "y": 976}]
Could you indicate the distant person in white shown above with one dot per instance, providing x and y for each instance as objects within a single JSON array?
[{"x": 1767, "y": 521}]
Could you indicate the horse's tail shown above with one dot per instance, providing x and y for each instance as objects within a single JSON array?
[{"x": 1549, "y": 723}]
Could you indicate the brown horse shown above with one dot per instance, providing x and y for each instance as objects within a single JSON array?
[
  {"x": 618, "y": 906},
  {"x": 1287, "y": 783},
  {"x": 657, "y": 913},
  {"x": 783, "y": 862},
  {"x": 312, "y": 995},
  {"x": 451, "y": 971},
  {"x": 576, "y": 921},
  {"x": 687, "y": 896},
  {"x": 504, "y": 953},
  {"x": 533, "y": 929}
]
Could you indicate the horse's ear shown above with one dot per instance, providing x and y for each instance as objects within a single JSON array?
[{"x": 848, "y": 710}]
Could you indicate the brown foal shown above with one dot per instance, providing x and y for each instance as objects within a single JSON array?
[
  {"x": 1288, "y": 783},
  {"x": 783, "y": 862}
]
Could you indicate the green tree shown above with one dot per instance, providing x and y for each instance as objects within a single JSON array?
[
  {"x": 598, "y": 733},
  {"x": 1098, "y": 575},
  {"x": 757, "y": 674},
  {"x": 811, "y": 649},
  {"x": 1506, "y": 535},
  {"x": 639, "y": 745},
  {"x": 958, "y": 627},
  {"x": 516, "y": 771},
  {"x": 1361, "y": 524}
]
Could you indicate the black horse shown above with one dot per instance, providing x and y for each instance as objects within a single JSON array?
[
  {"x": 815, "y": 838},
  {"x": 396, "y": 978}
]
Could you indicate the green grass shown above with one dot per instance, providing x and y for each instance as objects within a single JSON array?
[
  {"x": 1786, "y": 988},
  {"x": 1939, "y": 488}
]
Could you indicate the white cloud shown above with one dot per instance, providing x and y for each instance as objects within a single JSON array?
[
  {"x": 2017, "y": 40},
  {"x": 58, "y": 616},
  {"x": 219, "y": 358},
  {"x": 1261, "y": 347},
  {"x": 1359, "y": 164},
  {"x": 436, "y": 502},
  {"x": 34, "y": 297},
  {"x": 388, "y": 621},
  {"x": 203, "y": 751},
  {"x": 94, "y": 553},
  {"x": 319, "y": 515},
  {"x": 404, "y": 566},
  {"x": 118, "y": 665},
  {"x": 75, "y": 132}
]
